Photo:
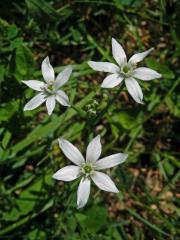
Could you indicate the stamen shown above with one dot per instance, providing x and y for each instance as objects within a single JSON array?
[
  {"x": 50, "y": 89},
  {"x": 126, "y": 70},
  {"x": 87, "y": 169}
]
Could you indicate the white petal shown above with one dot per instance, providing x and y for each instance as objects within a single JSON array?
[
  {"x": 134, "y": 89},
  {"x": 63, "y": 77},
  {"x": 111, "y": 81},
  {"x": 138, "y": 57},
  {"x": 144, "y": 73},
  {"x": 35, "y": 102},
  {"x": 104, "y": 67},
  {"x": 47, "y": 70},
  {"x": 50, "y": 104},
  {"x": 62, "y": 98},
  {"x": 67, "y": 173},
  {"x": 111, "y": 161},
  {"x": 104, "y": 182},
  {"x": 34, "y": 84},
  {"x": 83, "y": 192},
  {"x": 118, "y": 53},
  {"x": 94, "y": 149},
  {"x": 71, "y": 152}
]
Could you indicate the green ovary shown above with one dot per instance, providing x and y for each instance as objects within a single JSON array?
[
  {"x": 87, "y": 169},
  {"x": 50, "y": 88},
  {"x": 126, "y": 69}
]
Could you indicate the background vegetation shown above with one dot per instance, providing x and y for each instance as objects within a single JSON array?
[{"x": 32, "y": 204}]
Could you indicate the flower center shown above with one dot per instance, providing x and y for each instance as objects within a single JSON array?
[
  {"x": 87, "y": 169},
  {"x": 126, "y": 70},
  {"x": 50, "y": 88}
]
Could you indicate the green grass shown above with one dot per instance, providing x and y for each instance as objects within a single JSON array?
[{"x": 32, "y": 204}]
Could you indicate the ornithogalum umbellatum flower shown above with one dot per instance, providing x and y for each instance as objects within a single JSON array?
[
  {"x": 88, "y": 169},
  {"x": 49, "y": 90},
  {"x": 125, "y": 70}
]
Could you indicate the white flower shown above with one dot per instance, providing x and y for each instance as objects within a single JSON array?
[
  {"x": 125, "y": 70},
  {"x": 88, "y": 169},
  {"x": 49, "y": 91}
]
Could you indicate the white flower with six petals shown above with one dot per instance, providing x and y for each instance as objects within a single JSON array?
[
  {"x": 88, "y": 169},
  {"x": 49, "y": 90},
  {"x": 125, "y": 70}
]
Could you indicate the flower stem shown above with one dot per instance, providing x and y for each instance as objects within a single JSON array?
[
  {"x": 110, "y": 102},
  {"x": 94, "y": 121},
  {"x": 81, "y": 112}
]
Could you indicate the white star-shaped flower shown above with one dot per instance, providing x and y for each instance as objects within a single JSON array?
[
  {"x": 125, "y": 70},
  {"x": 49, "y": 91},
  {"x": 88, "y": 169}
]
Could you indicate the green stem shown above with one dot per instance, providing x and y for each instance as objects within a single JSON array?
[
  {"x": 101, "y": 114},
  {"x": 81, "y": 112},
  {"x": 146, "y": 222},
  {"x": 91, "y": 123}
]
